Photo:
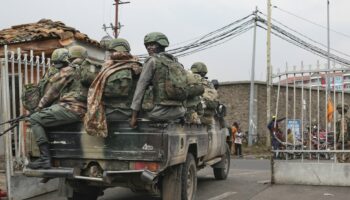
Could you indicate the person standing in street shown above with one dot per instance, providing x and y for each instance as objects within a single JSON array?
[{"x": 238, "y": 137}]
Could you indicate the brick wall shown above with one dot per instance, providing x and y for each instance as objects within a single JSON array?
[{"x": 235, "y": 95}]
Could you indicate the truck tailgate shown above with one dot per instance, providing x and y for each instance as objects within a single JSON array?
[{"x": 122, "y": 143}]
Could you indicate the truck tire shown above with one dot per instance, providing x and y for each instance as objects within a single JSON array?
[
  {"x": 81, "y": 191},
  {"x": 189, "y": 179},
  {"x": 83, "y": 196},
  {"x": 222, "y": 172},
  {"x": 171, "y": 183}
]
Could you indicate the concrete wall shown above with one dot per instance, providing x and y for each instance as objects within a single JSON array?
[
  {"x": 332, "y": 174},
  {"x": 235, "y": 95}
]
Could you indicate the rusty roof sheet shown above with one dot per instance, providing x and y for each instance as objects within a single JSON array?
[{"x": 42, "y": 30}]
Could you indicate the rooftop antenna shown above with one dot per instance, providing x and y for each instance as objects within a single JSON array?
[{"x": 116, "y": 26}]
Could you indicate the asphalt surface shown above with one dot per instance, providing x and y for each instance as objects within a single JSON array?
[{"x": 248, "y": 180}]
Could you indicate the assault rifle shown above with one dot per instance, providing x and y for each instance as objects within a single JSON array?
[{"x": 13, "y": 122}]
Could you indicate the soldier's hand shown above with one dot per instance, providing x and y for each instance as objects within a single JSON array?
[
  {"x": 38, "y": 109},
  {"x": 133, "y": 121}
]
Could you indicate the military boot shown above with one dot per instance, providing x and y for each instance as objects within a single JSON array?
[{"x": 44, "y": 161}]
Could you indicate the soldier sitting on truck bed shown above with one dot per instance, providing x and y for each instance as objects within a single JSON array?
[
  {"x": 111, "y": 93},
  {"x": 168, "y": 78},
  {"x": 194, "y": 107},
  {"x": 70, "y": 107},
  {"x": 210, "y": 95}
]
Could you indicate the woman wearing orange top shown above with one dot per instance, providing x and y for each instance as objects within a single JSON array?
[{"x": 234, "y": 130}]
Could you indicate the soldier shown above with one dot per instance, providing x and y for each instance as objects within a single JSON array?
[
  {"x": 89, "y": 69},
  {"x": 194, "y": 108},
  {"x": 70, "y": 108},
  {"x": 33, "y": 93},
  {"x": 210, "y": 95},
  {"x": 115, "y": 86},
  {"x": 343, "y": 137},
  {"x": 168, "y": 78}
]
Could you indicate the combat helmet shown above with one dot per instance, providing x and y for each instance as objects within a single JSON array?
[
  {"x": 157, "y": 37},
  {"x": 346, "y": 107},
  {"x": 77, "y": 51},
  {"x": 59, "y": 57},
  {"x": 119, "y": 44},
  {"x": 199, "y": 68}
]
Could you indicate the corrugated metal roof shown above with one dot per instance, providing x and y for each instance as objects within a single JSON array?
[{"x": 42, "y": 30}]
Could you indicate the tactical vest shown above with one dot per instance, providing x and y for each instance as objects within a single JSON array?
[
  {"x": 119, "y": 88},
  {"x": 169, "y": 81}
]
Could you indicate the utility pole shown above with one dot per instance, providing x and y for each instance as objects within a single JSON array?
[
  {"x": 269, "y": 71},
  {"x": 251, "y": 132},
  {"x": 116, "y": 23},
  {"x": 116, "y": 27}
]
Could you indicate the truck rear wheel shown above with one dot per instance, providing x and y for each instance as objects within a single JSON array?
[
  {"x": 171, "y": 183},
  {"x": 83, "y": 196},
  {"x": 222, "y": 172},
  {"x": 189, "y": 179}
]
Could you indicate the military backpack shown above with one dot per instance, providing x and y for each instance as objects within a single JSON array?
[{"x": 173, "y": 78}]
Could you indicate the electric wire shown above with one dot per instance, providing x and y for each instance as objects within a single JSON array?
[
  {"x": 311, "y": 22},
  {"x": 211, "y": 39},
  {"x": 305, "y": 36},
  {"x": 281, "y": 33}
]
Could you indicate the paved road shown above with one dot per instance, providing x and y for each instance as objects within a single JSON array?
[{"x": 248, "y": 180}]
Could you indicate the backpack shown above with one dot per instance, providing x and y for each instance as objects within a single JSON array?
[
  {"x": 210, "y": 96},
  {"x": 32, "y": 93},
  {"x": 194, "y": 85},
  {"x": 148, "y": 101},
  {"x": 88, "y": 73},
  {"x": 118, "y": 84},
  {"x": 31, "y": 96},
  {"x": 175, "y": 80}
]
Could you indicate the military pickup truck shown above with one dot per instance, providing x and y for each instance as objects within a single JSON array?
[{"x": 161, "y": 158}]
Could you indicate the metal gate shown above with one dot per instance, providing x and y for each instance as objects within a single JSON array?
[
  {"x": 16, "y": 69},
  {"x": 311, "y": 126}
]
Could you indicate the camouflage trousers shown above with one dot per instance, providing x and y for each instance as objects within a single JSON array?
[
  {"x": 160, "y": 112},
  {"x": 343, "y": 157},
  {"x": 48, "y": 117}
]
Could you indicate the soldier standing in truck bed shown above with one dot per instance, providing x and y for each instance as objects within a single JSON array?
[
  {"x": 70, "y": 107},
  {"x": 158, "y": 71}
]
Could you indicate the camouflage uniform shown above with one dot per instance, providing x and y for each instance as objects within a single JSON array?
[
  {"x": 114, "y": 86},
  {"x": 153, "y": 74},
  {"x": 340, "y": 124},
  {"x": 70, "y": 108},
  {"x": 163, "y": 110},
  {"x": 194, "y": 108},
  {"x": 122, "y": 84},
  {"x": 210, "y": 95}
]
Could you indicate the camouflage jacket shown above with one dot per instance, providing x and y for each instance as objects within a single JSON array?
[{"x": 67, "y": 89}]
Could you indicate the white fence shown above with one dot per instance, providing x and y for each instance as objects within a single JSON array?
[
  {"x": 309, "y": 135},
  {"x": 16, "y": 70}
]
